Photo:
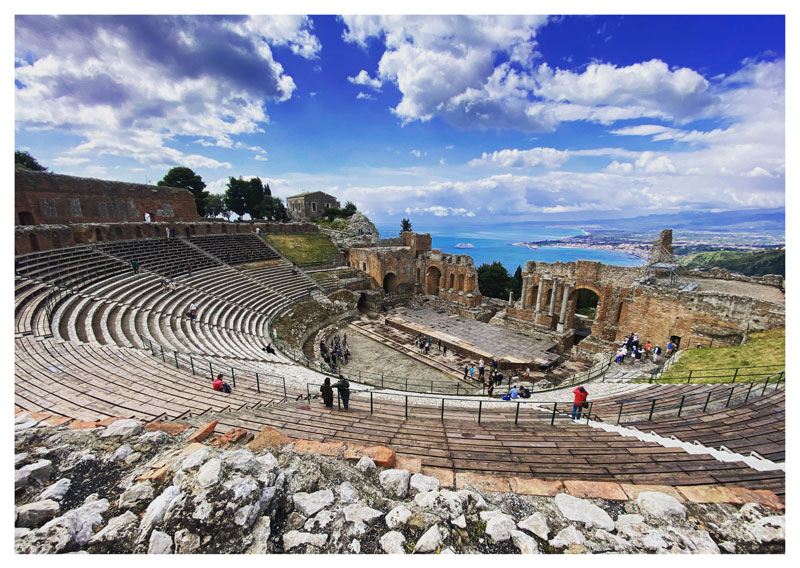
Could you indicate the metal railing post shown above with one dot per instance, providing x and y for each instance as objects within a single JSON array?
[
  {"x": 735, "y": 372},
  {"x": 480, "y": 407},
  {"x": 589, "y": 412},
  {"x": 338, "y": 400},
  {"x": 442, "y": 409},
  {"x": 406, "y": 406},
  {"x": 690, "y": 375},
  {"x": 766, "y": 382},
  {"x": 708, "y": 399},
  {"x": 619, "y": 416},
  {"x": 191, "y": 362},
  {"x": 729, "y": 397},
  {"x": 780, "y": 379},
  {"x": 233, "y": 377},
  {"x": 553, "y": 418},
  {"x": 163, "y": 358},
  {"x": 258, "y": 386},
  {"x": 680, "y": 408},
  {"x": 748, "y": 392},
  {"x": 177, "y": 366},
  {"x": 284, "y": 388},
  {"x": 370, "y": 402},
  {"x": 516, "y": 415},
  {"x": 211, "y": 369},
  {"x": 652, "y": 408}
]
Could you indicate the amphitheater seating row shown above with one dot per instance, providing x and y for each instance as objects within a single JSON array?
[{"x": 239, "y": 248}]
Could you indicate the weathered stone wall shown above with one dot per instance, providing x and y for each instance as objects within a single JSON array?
[
  {"x": 43, "y": 198},
  {"x": 45, "y": 237}
]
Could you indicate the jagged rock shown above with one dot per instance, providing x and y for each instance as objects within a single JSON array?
[
  {"x": 660, "y": 505},
  {"x": 64, "y": 533},
  {"x": 701, "y": 542},
  {"x": 365, "y": 464},
  {"x": 567, "y": 537},
  {"x": 355, "y": 546},
  {"x": 209, "y": 473},
  {"x": 498, "y": 525},
  {"x": 195, "y": 459},
  {"x": 117, "y": 528},
  {"x": 121, "y": 453},
  {"x": 39, "y": 471},
  {"x": 604, "y": 541},
  {"x": 429, "y": 541},
  {"x": 357, "y": 513},
  {"x": 261, "y": 533},
  {"x": 19, "y": 458},
  {"x": 393, "y": 543},
  {"x": 768, "y": 529},
  {"x": 125, "y": 427},
  {"x": 321, "y": 520},
  {"x": 460, "y": 522},
  {"x": 57, "y": 490},
  {"x": 268, "y": 461},
  {"x": 242, "y": 460},
  {"x": 422, "y": 483},
  {"x": 134, "y": 494},
  {"x": 441, "y": 501},
  {"x": 293, "y": 539},
  {"x": 156, "y": 510},
  {"x": 395, "y": 481},
  {"x": 536, "y": 524},
  {"x": 24, "y": 423},
  {"x": 242, "y": 487},
  {"x": 36, "y": 513},
  {"x": 347, "y": 493},
  {"x": 397, "y": 516},
  {"x": 728, "y": 547},
  {"x": 186, "y": 542},
  {"x": 525, "y": 543},
  {"x": 581, "y": 510},
  {"x": 21, "y": 478},
  {"x": 308, "y": 504},
  {"x": 160, "y": 543}
]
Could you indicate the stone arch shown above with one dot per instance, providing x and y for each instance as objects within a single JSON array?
[
  {"x": 156, "y": 231},
  {"x": 432, "y": 278},
  {"x": 452, "y": 281},
  {"x": 98, "y": 235},
  {"x": 34, "y": 240},
  {"x": 118, "y": 233},
  {"x": 533, "y": 293},
  {"x": 26, "y": 218},
  {"x": 418, "y": 273},
  {"x": 57, "y": 240},
  {"x": 224, "y": 228},
  {"x": 390, "y": 283},
  {"x": 139, "y": 233},
  {"x": 461, "y": 283},
  {"x": 364, "y": 266},
  {"x": 586, "y": 305}
]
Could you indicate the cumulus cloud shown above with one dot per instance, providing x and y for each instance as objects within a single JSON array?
[
  {"x": 128, "y": 85},
  {"x": 512, "y": 158},
  {"x": 364, "y": 79}
]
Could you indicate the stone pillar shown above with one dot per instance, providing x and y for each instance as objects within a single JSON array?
[
  {"x": 562, "y": 318},
  {"x": 510, "y": 297},
  {"x": 524, "y": 295},
  {"x": 539, "y": 295},
  {"x": 554, "y": 289}
]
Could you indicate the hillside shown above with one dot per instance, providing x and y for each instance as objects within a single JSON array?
[{"x": 749, "y": 263}]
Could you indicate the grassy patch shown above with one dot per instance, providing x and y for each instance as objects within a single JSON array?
[
  {"x": 314, "y": 248},
  {"x": 765, "y": 350}
]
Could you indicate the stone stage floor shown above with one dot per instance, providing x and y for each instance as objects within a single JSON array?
[{"x": 482, "y": 339}]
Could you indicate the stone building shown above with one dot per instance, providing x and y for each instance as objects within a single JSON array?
[
  {"x": 42, "y": 198},
  {"x": 310, "y": 205},
  {"x": 411, "y": 267}
]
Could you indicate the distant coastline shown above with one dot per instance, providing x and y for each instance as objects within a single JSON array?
[{"x": 639, "y": 249}]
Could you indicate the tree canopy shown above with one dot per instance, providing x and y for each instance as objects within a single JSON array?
[
  {"x": 185, "y": 178},
  {"x": 24, "y": 161},
  {"x": 494, "y": 280},
  {"x": 405, "y": 224},
  {"x": 254, "y": 198}
]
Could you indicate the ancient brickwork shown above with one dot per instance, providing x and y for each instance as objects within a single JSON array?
[
  {"x": 43, "y": 198},
  {"x": 414, "y": 268},
  {"x": 45, "y": 237}
]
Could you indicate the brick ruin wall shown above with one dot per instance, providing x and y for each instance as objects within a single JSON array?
[{"x": 43, "y": 198}]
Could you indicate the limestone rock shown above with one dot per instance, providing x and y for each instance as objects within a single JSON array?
[
  {"x": 536, "y": 524},
  {"x": 429, "y": 541},
  {"x": 355, "y": 546},
  {"x": 422, "y": 483},
  {"x": 57, "y": 490},
  {"x": 242, "y": 460},
  {"x": 365, "y": 464},
  {"x": 293, "y": 539},
  {"x": 134, "y": 494},
  {"x": 393, "y": 543},
  {"x": 121, "y": 453},
  {"x": 261, "y": 532},
  {"x": 77, "y": 525},
  {"x": 125, "y": 427},
  {"x": 186, "y": 542},
  {"x": 499, "y": 527},
  {"x": 308, "y": 504},
  {"x": 347, "y": 493},
  {"x": 195, "y": 459},
  {"x": 357, "y": 513},
  {"x": 460, "y": 522},
  {"x": 36, "y": 513},
  {"x": 160, "y": 543},
  {"x": 154, "y": 514},
  {"x": 526, "y": 544},
  {"x": 581, "y": 510},
  {"x": 395, "y": 481},
  {"x": 566, "y": 537},
  {"x": 39, "y": 471},
  {"x": 660, "y": 505},
  {"x": 209, "y": 473},
  {"x": 397, "y": 516},
  {"x": 115, "y": 529},
  {"x": 442, "y": 502}
]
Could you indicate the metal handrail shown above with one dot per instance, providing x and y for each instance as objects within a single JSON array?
[{"x": 734, "y": 375}]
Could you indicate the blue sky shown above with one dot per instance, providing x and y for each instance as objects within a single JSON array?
[{"x": 444, "y": 119}]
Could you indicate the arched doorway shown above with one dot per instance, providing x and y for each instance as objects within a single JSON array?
[
  {"x": 26, "y": 218},
  {"x": 586, "y": 302},
  {"x": 390, "y": 283},
  {"x": 139, "y": 234},
  {"x": 34, "y": 240},
  {"x": 432, "y": 277},
  {"x": 98, "y": 235}
]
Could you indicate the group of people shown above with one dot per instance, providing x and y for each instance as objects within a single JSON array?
[
  {"x": 631, "y": 347},
  {"x": 342, "y": 385},
  {"x": 425, "y": 344},
  {"x": 337, "y": 352}
]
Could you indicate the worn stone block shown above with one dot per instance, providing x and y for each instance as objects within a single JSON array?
[
  {"x": 531, "y": 486},
  {"x": 202, "y": 432},
  {"x": 482, "y": 482},
  {"x": 595, "y": 489}
]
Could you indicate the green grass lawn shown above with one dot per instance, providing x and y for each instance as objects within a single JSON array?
[
  {"x": 303, "y": 249},
  {"x": 765, "y": 350}
]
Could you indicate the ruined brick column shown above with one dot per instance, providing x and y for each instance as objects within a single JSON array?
[
  {"x": 523, "y": 298},
  {"x": 554, "y": 289},
  {"x": 564, "y": 301},
  {"x": 539, "y": 295}
]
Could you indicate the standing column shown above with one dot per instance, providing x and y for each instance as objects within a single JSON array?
[
  {"x": 510, "y": 297},
  {"x": 539, "y": 295},
  {"x": 562, "y": 318},
  {"x": 524, "y": 296},
  {"x": 553, "y": 297}
]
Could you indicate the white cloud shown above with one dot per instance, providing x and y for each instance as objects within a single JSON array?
[
  {"x": 616, "y": 167},
  {"x": 365, "y": 96},
  {"x": 512, "y": 158},
  {"x": 364, "y": 79}
]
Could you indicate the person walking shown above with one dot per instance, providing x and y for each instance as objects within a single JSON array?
[
  {"x": 343, "y": 386},
  {"x": 189, "y": 268},
  {"x": 327, "y": 392},
  {"x": 135, "y": 266},
  {"x": 579, "y": 403},
  {"x": 480, "y": 369}
]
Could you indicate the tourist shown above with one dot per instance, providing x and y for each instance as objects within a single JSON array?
[
  {"x": 166, "y": 230},
  {"x": 466, "y": 372},
  {"x": 656, "y": 353},
  {"x": 480, "y": 369},
  {"x": 189, "y": 268},
  {"x": 193, "y": 312},
  {"x": 634, "y": 352},
  {"x": 343, "y": 386},
  {"x": 439, "y": 347},
  {"x": 135, "y": 266},
  {"x": 524, "y": 393},
  {"x": 619, "y": 356},
  {"x": 490, "y": 389},
  {"x": 513, "y": 392},
  {"x": 579, "y": 403},
  {"x": 648, "y": 346},
  {"x": 327, "y": 393},
  {"x": 471, "y": 372},
  {"x": 269, "y": 349},
  {"x": 670, "y": 348},
  {"x": 219, "y": 385},
  {"x": 444, "y": 350},
  {"x": 228, "y": 258},
  {"x": 164, "y": 284}
]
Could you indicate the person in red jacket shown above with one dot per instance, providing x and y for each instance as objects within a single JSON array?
[
  {"x": 217, "y": 384},
  {"x": 577, "y": 405}
]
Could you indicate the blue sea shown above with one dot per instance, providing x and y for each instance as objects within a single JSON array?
[{"x": 492, "y": 244}]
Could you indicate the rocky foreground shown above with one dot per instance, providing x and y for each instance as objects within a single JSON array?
[{"x": 121, "y": 489}]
